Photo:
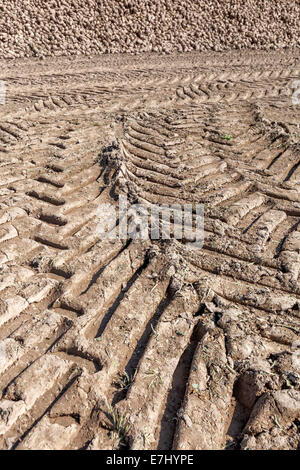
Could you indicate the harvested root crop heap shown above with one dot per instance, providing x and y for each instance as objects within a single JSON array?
[{"x": 38, "y": 28}]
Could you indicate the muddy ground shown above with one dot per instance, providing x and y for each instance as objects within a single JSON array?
[{"x": 113, "y": 344}]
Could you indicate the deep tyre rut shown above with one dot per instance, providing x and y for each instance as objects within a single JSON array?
[{"x": 149, "y": 344}]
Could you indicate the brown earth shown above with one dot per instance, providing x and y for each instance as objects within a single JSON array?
[
  {"x": 30, "y": 28},
  {"x": 150, "y": 344}
]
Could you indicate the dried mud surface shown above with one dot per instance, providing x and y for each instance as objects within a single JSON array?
[
  {"x": 38, "y": 28},
  {"x": 150, "y": 345}
]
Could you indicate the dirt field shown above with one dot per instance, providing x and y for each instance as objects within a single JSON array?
[{"x": 149, "y": 344}]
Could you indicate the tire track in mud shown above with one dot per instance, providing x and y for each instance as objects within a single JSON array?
[{"x": 148, "y": 344}]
